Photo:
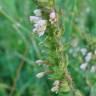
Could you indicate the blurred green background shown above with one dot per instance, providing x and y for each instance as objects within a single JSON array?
[{"x": 19, "y": 49}]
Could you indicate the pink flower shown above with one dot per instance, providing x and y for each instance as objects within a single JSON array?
[{"x": 53, "y": 17}]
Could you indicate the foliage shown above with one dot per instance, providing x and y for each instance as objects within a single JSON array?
[{"x": 59, "y": 49}]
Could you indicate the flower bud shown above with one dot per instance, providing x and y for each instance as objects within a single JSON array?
[
  {"x": 37, "y": 12},
  {"x": 53, "y": 17},
  {"x": 55, "y": 89},
  {"x": 88, "y": 57},
  {"x": 57, "y": 82},
  {"x": 83, "y": 51},
  {"x": 39, "y": 62},
  {"x": 83, "y": 66},
  {"x": 40, "y": 75},
  {"x": 93, "y": 69}
]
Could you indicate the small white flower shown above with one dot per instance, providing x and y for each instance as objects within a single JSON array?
[
  {"x": 88, "y": 57},
  {"x": 40, "y": 75},
  {"x": 37, "y": 12},
  {"x": 40, "y": 27},
  {"x": 34, "y": 19},
  {"x": 55, "y": 89},
  {"x": 41, "y": 33},
  {"x": 56, "y": 83},
  {"x": 83, "y": 51},
  {"x": 39, "y": 24},
  {"x": 83, "y": 66},
  {"x": 93, "y": 69}
]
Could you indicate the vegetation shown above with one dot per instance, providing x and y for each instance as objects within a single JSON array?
[{"x": 47, "y": 48}]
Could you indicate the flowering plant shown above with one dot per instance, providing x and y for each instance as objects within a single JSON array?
[
  {"x": 47, "y": 48},
  {"x": 58, "y": 53}
]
